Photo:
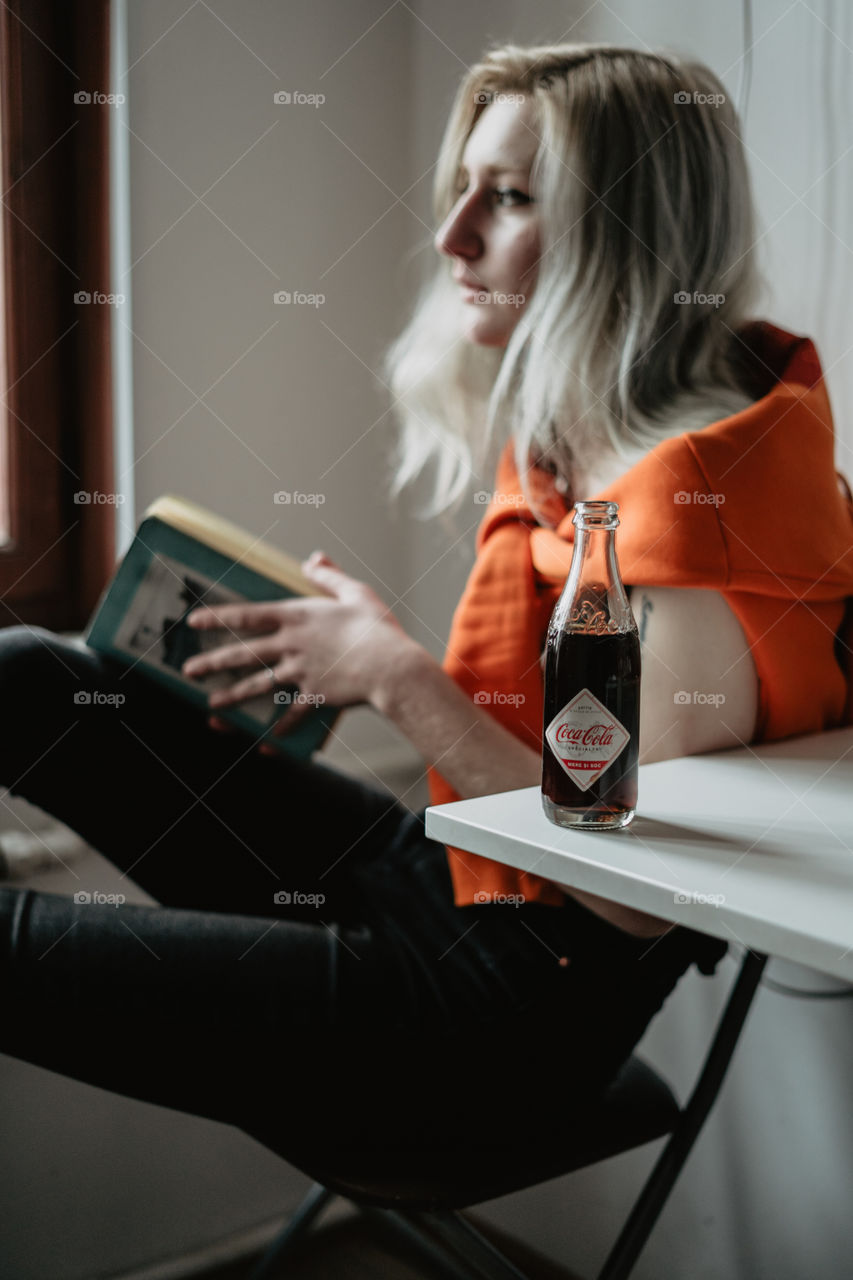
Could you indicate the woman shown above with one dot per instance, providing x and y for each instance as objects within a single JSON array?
[{"x": 583, "y": 194}]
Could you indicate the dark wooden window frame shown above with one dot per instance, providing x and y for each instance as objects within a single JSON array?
[{"x": 58, "y": 394}]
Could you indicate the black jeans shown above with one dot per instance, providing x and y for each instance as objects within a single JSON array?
[{"x": 307, "y": 976}]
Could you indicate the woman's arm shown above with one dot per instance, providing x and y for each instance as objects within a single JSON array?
[
  {"x": 475, "y": 754},
  {"x": 699, "y": 688},
  {"x": 699, "y": 693}
]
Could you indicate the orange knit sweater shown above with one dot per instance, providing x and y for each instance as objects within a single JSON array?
[{"x": 778, "y": 546}]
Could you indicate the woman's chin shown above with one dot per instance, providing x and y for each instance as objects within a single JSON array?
[{"x": 483, "y": 333}]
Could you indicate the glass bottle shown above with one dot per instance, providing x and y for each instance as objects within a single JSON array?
[{"x": 591, "y": 729}]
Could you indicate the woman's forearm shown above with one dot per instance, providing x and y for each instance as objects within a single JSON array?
[{"x": 474, "y": 753}]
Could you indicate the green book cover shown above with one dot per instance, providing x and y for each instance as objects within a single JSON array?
[{"x": 183, "y": 556}]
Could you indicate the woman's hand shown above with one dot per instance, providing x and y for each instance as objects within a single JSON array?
[{"x": 337, "y": 648}]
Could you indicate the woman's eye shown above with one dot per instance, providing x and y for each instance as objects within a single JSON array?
[
  {"x": 511, "y": 196},
  {"x": 504, "y": 196}
]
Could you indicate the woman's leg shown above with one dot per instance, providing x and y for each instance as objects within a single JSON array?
[
  {"x": 245, "y": 1020},
  {"x": 197, "y": 818}
]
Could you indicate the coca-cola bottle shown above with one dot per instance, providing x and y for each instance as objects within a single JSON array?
[{"x": 592, "y": 685}]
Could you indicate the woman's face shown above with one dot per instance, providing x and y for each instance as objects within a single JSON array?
[{"x": 492, "y": 232}]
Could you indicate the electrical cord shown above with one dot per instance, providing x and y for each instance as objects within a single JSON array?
[{"x": 744, "y": 80}]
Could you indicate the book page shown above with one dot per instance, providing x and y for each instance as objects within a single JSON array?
[{"x": 154, "y": 631}]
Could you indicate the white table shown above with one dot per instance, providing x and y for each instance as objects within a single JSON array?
[{"x": 753, "y": 845}]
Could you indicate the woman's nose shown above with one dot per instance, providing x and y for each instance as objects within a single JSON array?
[{"x": 457, "y": 236}]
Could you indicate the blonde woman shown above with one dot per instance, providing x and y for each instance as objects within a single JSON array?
[{"x": 589, "y": 321}]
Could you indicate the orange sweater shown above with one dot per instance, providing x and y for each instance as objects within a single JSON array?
[{"x": 776, "y": 542}]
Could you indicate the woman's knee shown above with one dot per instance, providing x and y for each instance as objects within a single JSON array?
[
  {"x": 26, "y": 648},
  {"x": 42, "y": 678},
  {"x": 33, "y": 657}
]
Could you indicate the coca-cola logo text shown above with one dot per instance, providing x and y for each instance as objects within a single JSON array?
[{"x": 595, "y": 735}]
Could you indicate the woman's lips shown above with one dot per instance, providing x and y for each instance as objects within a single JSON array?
[{"x": 474, "y": 293}]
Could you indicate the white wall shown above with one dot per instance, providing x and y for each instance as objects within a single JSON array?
[
  {"x": 299, "y": 199},
  {"x": 765, "y": 1193}
]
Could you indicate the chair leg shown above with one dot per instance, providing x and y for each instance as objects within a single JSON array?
[
  {"x": 652, "y": 1198},
  {"x": 403, "y": 1224},
  {"x": 463, "y": 1238},
  {"x": 292, "y": 1231}
]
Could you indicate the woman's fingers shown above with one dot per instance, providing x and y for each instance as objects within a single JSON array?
[
  {"x": 233, "y": 617},
  {"x": 233, "y": 657},
  {"x": 250, "y": 687}
]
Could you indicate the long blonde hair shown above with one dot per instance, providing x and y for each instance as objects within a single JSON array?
[{"x": 644, "y": 201}]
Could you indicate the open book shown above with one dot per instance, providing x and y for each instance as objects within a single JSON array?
[{"x": 183, "y": 556}]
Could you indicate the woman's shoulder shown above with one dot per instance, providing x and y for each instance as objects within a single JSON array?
[{"x": 609, "y": 466}]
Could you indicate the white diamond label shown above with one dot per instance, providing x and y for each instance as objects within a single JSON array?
[{"x": 586, "y": 738}]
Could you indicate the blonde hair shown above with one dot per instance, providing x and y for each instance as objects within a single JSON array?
[{"x": 644, "y": 200}]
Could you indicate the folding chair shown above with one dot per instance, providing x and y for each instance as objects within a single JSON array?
[{"x": 420, "y": 1196}]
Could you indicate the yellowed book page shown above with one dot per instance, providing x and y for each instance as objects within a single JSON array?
[{"x": 232, "y": 541}]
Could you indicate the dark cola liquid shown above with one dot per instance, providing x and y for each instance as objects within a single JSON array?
[{"x": 609, "y": 667}]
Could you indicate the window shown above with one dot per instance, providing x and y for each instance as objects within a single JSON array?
[{"x": 56, "y": 406}]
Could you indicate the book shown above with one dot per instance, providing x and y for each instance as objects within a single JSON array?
[{"x": 183, "y": 556}]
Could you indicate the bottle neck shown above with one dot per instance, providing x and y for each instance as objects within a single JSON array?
[{"x": 594, "y": 599}]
